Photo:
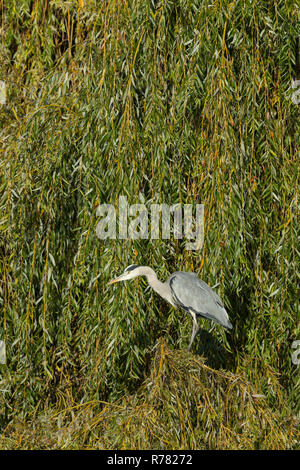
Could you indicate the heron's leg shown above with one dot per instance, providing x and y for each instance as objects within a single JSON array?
[{"x": 195, "y": 329}]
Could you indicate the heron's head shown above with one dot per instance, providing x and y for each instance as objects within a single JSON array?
[{"x": 130, "y": 272}]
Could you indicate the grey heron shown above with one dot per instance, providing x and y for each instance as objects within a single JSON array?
[{"x": 185, "y": 290}]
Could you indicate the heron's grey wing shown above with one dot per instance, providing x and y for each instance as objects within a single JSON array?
[{"x": 193, "y": 294}]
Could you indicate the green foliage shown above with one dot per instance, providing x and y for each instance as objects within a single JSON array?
[
  {"x": 184, "y": 404},
  {"x": 179, "y": 102}
]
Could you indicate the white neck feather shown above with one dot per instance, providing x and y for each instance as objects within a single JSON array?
[{"x": 161, "y": 288}]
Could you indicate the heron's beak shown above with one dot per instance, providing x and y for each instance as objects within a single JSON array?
[{"x": 117, "y": 279}]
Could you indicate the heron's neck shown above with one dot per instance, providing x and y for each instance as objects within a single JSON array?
[{"x": 161, "y": 288}]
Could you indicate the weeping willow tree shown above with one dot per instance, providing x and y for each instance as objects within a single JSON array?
[{"x": 165, "y": 102}]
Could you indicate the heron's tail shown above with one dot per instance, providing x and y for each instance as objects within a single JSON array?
[
  {"x": 220, "y": 319},
  {"x": 225, "y": 320}
]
